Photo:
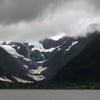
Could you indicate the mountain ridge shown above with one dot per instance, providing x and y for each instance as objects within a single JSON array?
[{"x": 29, "y": 62}]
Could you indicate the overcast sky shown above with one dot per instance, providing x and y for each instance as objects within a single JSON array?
[{"x": 38, "y": 19}]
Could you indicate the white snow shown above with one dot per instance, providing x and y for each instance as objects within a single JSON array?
[
  {"x": 26, "y": 66},
  {"x": 36, "y": 73},
  {"x": 74, "y": 43},
  {"x": 13, "y": 45},
  {"x": 10, "y": 50},
  {"x": 40, "y": 62},
  {"x": 22, "y": 80},
  {"x": 59, "y": 49},
  {"x": 48, "y": 50},
  {"x": 58, "y": 36},
  {"x": 7, "y": 42},
  {"x": 18, "y": 47},
  {"x": 27, "y": 59},
  {"x": 36, "y": 44},
  {"x": 43, "y": 49},
  {"x": 5, "y": 79},
  {"x": 36, "y": 77},
  {"x": 39, "y": 70}
]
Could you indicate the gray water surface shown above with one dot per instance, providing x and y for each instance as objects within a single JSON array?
[{"x": 49, "y": 95}]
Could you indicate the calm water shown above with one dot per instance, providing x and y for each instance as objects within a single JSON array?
[{"x": 49, "y": 95}]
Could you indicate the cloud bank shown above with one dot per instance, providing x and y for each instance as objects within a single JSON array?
[{"x": 37, "y": 19}]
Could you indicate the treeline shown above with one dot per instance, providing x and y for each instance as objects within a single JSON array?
[{"x": 49, "y": 85}]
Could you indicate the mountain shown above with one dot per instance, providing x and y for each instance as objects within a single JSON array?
[
  {"x": 58, "y": 58},
  {"x": 84, "y": 67}
]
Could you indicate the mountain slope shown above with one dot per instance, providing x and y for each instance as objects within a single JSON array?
[
  {"x": 85, "y": 67},
  {"x": 60, "y": 59}
]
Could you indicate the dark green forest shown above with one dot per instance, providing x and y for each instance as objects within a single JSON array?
[{"x": 49, "y": 85}]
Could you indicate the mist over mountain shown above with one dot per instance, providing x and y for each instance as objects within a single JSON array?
[
  {"x": 58, "y": 58},
  {"x": 22, "y": 20}
]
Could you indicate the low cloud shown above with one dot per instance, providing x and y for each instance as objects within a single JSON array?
[
  {"x": 14, "y": 11},
  {"x": 71, "y": 17}
]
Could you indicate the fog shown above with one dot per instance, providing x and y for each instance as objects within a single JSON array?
[{"x": 73, "y": 17}]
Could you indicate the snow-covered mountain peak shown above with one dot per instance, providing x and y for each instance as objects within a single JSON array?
[
  {"x": 37, "y": 45},
  {"x": 58, "y": 36},
  {"x": 10, "y": 50},
  {"x": 33, "y": 61}
]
